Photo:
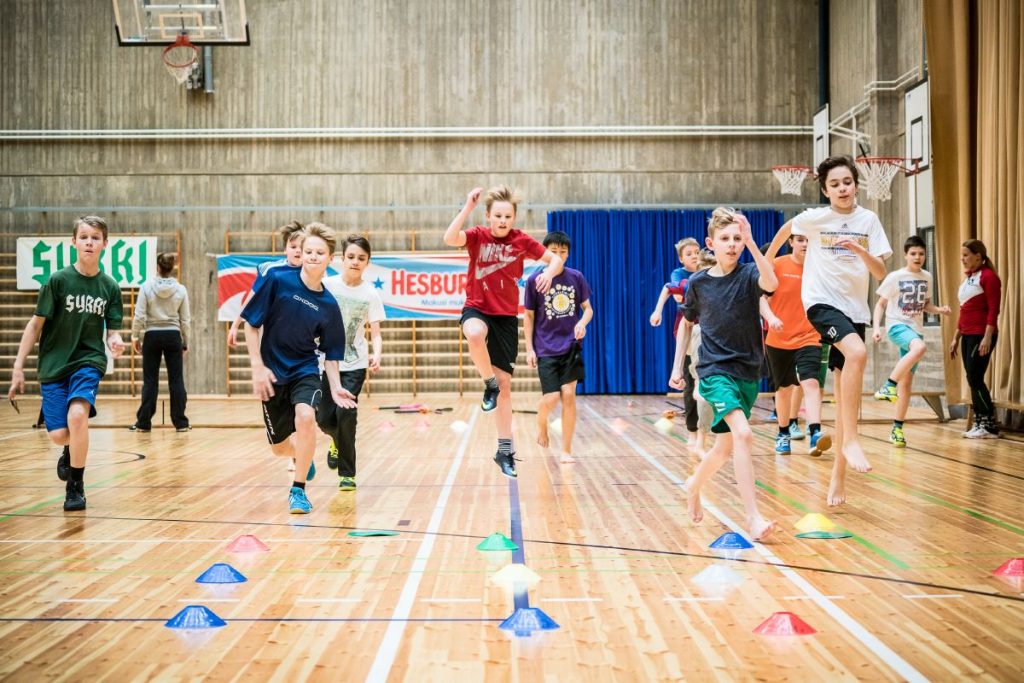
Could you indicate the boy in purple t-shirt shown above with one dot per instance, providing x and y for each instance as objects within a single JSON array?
[{"x": 555, "y": 324}]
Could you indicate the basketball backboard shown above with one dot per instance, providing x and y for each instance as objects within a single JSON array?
[
  {"x": 821, "y": 135},
  {"x": 152, "y": 22},
  {"x": 918, "y": 130}
]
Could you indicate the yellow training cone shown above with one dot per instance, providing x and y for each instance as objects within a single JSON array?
[
  {"x": 514, "y": 573},
  {"x": 815, "y": 521}
]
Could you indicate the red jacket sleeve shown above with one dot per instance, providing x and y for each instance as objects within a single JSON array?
[{"x": 993, "y": 294}]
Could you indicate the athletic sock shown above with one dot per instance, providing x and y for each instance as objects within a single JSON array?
[
  {"x": 76, "y": 473},
  {"x": 897, "y": 423},
  {"x": 491, "y": 382},
  {"x": 794, "y": 423},
  {"x": 299, "y": 485},
  {"x": 505, "y": 446},
  {"x": 814, "y": 428},
  {"x": 784, "y": 431},
  {"x": 890, "y": 383}
]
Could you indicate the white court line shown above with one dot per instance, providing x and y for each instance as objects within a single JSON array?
[
  {"x": 572, "y": 600},
  {"x": 450, "y": 600},
  {"x": 329, "y": 600},
  {"x": 202, "y": 600},
  {"x": 672, "y": 598},
  {"x": 933, "y": 597},
  {"x": 86, "y": 600},
  {"x": 396, "y": 628},
  {"x": 810, "y": 597},
  {"x": 880, "y": 649}
]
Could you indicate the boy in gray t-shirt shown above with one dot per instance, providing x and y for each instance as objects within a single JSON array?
[{"x": 726, "y": 300}]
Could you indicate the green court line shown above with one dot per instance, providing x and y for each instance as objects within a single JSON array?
[
  {"x": 946, "y": 504},
  {"x": 56, "y": 499},
  {"x": 889, "y": 557}
]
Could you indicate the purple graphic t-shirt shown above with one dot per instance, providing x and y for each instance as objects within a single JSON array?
[{"x": 557, "y": 312}]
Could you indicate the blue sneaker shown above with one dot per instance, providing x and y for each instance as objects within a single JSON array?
[
  {"x": 782, "y": 446},
  {"x": 298, "y": 504},
  {"x": 820, "y": 442},
  {"x": 312, "y": 471},
  {"x": 795, "y": 433}
]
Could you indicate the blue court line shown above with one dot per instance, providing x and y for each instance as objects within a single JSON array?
[
  {"x": 521, "y": 596},
  {"x": 253, "y": 619}
]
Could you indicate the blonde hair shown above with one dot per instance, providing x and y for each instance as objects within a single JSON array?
[
  {"x": 92, "y": 222},
  {"x": 324, "y": 232},
  {"x": 720, "y": 218},
  {"x": 503, "y": 193},
  {"x": 707, "y": 259},
  {"x": 684, "y": 243},
  {"x": 289, "y": 230}
]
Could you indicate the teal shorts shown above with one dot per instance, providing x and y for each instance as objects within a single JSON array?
[
  {"x": 726, "y": 394},
  {"x": 901, "y": 335}
]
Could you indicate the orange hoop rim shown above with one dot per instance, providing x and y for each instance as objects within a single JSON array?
[
  {"x": 909, "y": 169},
  {"x": 181, "y": 41}
]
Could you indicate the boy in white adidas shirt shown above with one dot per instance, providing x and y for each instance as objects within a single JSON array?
[{"x": 846, "y": 245}]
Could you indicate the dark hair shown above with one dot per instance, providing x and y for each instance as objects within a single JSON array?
[
  {"x": 978, "y": 247},
  {"x": 92, "y": 222},
  {"x": 165, "y": 263},
  {"x": 557, "y": 237},
  {"x": 835, "y": 162},
  {"x": 288, "y": 230},
  {"x": 357, "y": 240},
  {"x": 914, "y": 241}
]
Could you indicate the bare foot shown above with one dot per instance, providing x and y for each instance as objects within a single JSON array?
[
  {"x": 567, "y": 458},
  {"x": 760, "y": 528},
  {"x": 691, "y": 442},
  {"x": 836, "y": 492},
  {"x": 702, "y": 454},
  {"x": 855, "y": 457},
  {"x": 291, "y": 464},
  {"x": 542, "y": 433},
  {"x": 693, "y": 502}
]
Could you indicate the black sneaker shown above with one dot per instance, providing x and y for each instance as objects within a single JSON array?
[
  {"x": 64, "y": 464},
  {"x": 332, "y": 456},
  {"x": 74, "y": 496},
  {"x": 186, "y": 428},
  {"x": 507, "y": 463},
  {"x": 490, "y": 400},
  {"x": 137, "y": 428}
]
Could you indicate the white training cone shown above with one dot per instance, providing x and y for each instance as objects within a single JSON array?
[
  {"x": 514, "y": 573},
  {"x": 458, "y": 426}
]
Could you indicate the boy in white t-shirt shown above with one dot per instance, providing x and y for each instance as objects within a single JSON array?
[
  {"x": 360, "y": 303},
  {"x": 845, "y": 246},
  {"x": 904, "y": 296}
]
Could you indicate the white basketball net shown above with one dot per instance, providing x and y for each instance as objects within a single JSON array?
[
  {"x": 876, "y": 175},
  {"x": 180, "y": 60},
  {"x": 791, "y": 178}
]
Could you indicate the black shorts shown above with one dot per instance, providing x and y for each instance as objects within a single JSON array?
[
  {"x": 833, "y": 325},
  {"x": 792, "y": 366},
  {"x": 557, "y": 371},
  {"x": 279, "y": 411},
  {"x": 502, "y": 337}
]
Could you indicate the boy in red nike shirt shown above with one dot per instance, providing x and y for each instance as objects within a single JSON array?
[{"x": 489, "y": 318}]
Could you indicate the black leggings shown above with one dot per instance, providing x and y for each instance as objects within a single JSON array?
[
  {"x": 975, "y": 365},
  {"x": 340, "y": 423},
  {"x": 166, "y": 344}
]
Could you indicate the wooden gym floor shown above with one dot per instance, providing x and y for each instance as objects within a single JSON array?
[{"x": 909, "y": 596}]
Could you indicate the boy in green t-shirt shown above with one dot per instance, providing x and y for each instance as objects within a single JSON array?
[{"x": 77, "y": 308}]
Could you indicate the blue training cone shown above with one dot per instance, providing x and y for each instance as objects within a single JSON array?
[
  {"x": 525, "y": 620},
  {"x": 221, "y": 573},
  {"x": 195, "y": 617},
  {"x": 731, "y": 541}
]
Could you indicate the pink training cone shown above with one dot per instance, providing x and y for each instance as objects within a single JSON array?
[
  {"x": 386, "y": 426},
  {"x": 1012, "y": 568},
  {"x": 247, "y": 543},
  {"x": 784, "y": 624}
]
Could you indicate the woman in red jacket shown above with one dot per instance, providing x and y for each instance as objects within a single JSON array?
[{"x": 976, "y": 333}]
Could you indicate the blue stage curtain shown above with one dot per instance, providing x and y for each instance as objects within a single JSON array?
[{"x": 627, "y": 256}]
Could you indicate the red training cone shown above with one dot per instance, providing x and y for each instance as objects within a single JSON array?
[
  {"x": 247, "y": 544},
  {"x": 784, "y": 624},
  {"x": 1013, "y": 567}
]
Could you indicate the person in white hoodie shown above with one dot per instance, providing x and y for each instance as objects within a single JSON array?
[{"x": 161, "y": 328}]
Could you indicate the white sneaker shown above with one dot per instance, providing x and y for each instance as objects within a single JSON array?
[
  {"x": 986, "y": 434},
  {"x": 971, "y": 433}
]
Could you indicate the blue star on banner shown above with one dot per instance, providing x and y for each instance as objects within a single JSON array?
[{"x": 378, "y": 283}]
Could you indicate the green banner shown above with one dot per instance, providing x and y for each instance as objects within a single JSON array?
[{"x": 129, "y": 260}]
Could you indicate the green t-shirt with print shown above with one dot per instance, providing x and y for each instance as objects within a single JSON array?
[{"x": 78, "y": 311}]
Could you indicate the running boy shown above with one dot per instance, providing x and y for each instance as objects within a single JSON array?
[
  {"x": 904, "y": 296},
  {"x": 689, "y": 254},
  {"x": 794, "y": 351},
  {"x": 725, "y": 299},
  {"x": 359, "y": 303},
  {"x": 845, "y": 246},
  {"x": 489, "y": 319},
  {"x": 294, "y": 310},
  {"x": 77, "y": 308},
  {"x": 291, "y": 234},
  {"x": 554, "y": 327}
]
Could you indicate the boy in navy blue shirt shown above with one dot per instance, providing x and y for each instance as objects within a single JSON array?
[{"x": 294, "y": 311}]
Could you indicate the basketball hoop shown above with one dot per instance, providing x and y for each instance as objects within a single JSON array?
[
  {"x": 877, "y": 174},
  {"x": 180, "y": 58},
  {"x": 791, "y": 178}
]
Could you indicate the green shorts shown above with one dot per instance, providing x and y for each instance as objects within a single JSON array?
[{"x": 726, "y": 394}]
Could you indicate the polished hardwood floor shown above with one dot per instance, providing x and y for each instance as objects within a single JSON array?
[{"x": 630, "y": 581}]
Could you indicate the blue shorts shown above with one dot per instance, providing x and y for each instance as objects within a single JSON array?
[
  {"x": 57, "y": 396},
  {"x": 901, "y": 335}
]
